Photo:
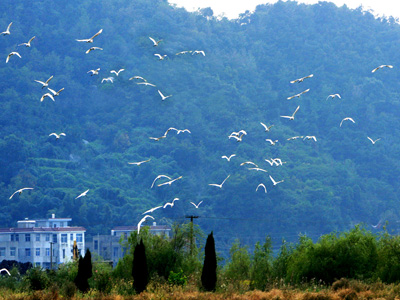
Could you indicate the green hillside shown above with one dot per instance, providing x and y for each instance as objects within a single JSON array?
[{"x": 243, "y": 79}]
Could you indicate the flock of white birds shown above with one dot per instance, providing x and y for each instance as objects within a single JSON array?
[{"x": 238, "y": 136}]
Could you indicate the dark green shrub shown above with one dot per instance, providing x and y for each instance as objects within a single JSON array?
[{"x": 36, "y": 279}]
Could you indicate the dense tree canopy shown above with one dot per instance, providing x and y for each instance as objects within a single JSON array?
[{"x": 243, "y": 79}]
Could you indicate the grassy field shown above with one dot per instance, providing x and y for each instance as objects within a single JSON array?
[{"x": 342, "y": 289}]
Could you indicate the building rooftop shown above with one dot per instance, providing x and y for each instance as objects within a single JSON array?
[{"x": 41, "y": 229}]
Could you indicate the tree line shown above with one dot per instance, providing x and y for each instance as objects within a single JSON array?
[{"x": 356, "y": 254}]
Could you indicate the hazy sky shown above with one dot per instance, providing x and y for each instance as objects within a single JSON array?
[{"x": 232, "y": 8}]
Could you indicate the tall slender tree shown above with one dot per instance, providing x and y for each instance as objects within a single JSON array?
[
  {"x": 140, "y": 271},
  {"x": 209, "y": 274},
  {"x": 84, "y": 272}
]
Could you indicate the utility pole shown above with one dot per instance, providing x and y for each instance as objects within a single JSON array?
[
  {"x": 191, "y": 231},
  {"x": 51, "y": 255}
]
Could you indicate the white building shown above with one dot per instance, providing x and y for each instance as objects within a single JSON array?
[{"x": 41, "y": 242}]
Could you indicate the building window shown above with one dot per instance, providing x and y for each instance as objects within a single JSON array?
[
  {"x": 63, "y": 253},
  {"x": 37, "y": 251},
  {"x": 79, "y": 237},
  {"x": 12, "y": 237},
  {"x": 27, "y": 237},
  {"x": 115, "y": 252},
  {"x": 17, "y": 237},
  {"x": 37, "y": 264},
  {"x": 64, "y": 238},
  {"x": 12, "y": 251},
  {"x": 55, "y": 225},
  {"x": 37, "y": 237},
  {"x": 54, "y": 238},
  {"x": 47, "y": 237},
  {"x": 71, "y": 237},
  {"x": 2, "y": 251},
  {"x": 47, "y": 251},
  {"x": 27, "y": 251},
  {"x": 96, "y": 244}
]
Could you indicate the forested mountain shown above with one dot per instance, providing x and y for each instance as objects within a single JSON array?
[{"x": 244, "y": 78}]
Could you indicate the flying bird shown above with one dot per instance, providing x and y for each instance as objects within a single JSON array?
[
  {"x": 197, "y": 206},
  {"x": 271, "y": 162},
  {"x": 278, "y": 161},
  {"x": 267, "y": 128},
  {"x": 93, "y": 48},
  {"x": 219, "y": 185},
  {"x": 170, "y": 203},
  {"x": 141, "y": 221},
  {"x": 299, "y": 94},
  {"x": 83, "y": 194},
  {"x": 198, "y": 52},
  {"x": 258, "y": 169},
  {"x": 170, "y": 182},
  {"x": 5, "y": 270},
  {"x": 94, "y": 72},
  {"x": 273, "y": 181},
  {"x": 159, "y": 138},
  {"x": 90, "y": 40},
  {"x": 7, "y": 32},
  {"x": 152, "y": 209},
  {"x": 183, "y": 52},
  {"x": 295, "y": 137},
  {"x": 271, "y": 141},
  {"x": 372, "y": 141},
  {"x": 46, "y": 83},
  {"x": 28, "y": 44},
  {"x": 54, "y": 92},
  {"x": 162, "y": 96},
  {"x": 302, "y": 79},
  {"x": 310, "y": 137},
  {"x": 238, "y": 138},
  {"x": 248, "y": 163},
  {"x": 263, "y": 186},
  {"x": 160, "y": 57},
  {"x": 11, "y": 54},
  {"x": 57, "y": 135},
  {"x": 380, "y": 67},
  {"x": 117, "y": 72},
  {"x": 334, "y": 96},
  {"x": 158, "y": 177},
  {"x": 155, "y": 43},
  {"x": 182, "y": 130},
  {"x": 20, "y": 191},
  {"x": 146, "y": 83},
  {"x": 346, "y": 119},
  {"x": 228, "y": 158},
  {"x": 239, "y": 132},
  {"x": 139, "y": 163},
  {"x": 108, "y": 79},
  {"x": 292, "y": 116},
  {"x": 137, "y": 77},
  {"x": 47, "y": 95}
]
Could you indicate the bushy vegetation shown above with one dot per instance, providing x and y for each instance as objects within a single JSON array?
[{"x": 357, "y": 261}]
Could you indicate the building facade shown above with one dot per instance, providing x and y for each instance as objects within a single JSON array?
[{"x": 43, "y": 242}]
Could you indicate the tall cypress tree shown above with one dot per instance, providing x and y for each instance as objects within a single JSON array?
[
  {"x": 209, "y": 274},
  {"x": 140, "y": 272},
  {"x": 84, "y": 272}
]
